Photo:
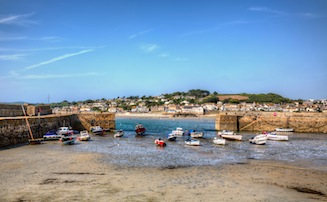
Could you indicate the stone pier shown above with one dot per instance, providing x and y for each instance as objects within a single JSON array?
[
  {"x": 14, "y": 130},
  {"x": 304, "y": 122}
]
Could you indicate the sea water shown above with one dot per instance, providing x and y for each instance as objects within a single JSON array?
[{"x": 140, "y": 151}]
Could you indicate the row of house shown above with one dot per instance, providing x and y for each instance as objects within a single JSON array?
[{"x": 139, "y": 106}]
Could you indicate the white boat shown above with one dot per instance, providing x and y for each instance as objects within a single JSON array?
[
  {"x": 68, "y": 139},
  {"x": 119, "y": 133},
  {"x": 171, "y": 137},
  {"x": 284, "y": 130},
  {"x": 178, "y": 132},
  {"x": 226, "y": 132},
  {"x": 192, "y": 142},
  {"x": 65, "y": 131},
  {"x": 97, "y": 130},
  {"x": 219, "y": 141},
  {"x": 259, "y": 139},
  {"x": 84, "y": 136},
  {"x": 232, "y": 137},
  {"x": 197, "y": 134},
  {"x": 273, "y": 136}
]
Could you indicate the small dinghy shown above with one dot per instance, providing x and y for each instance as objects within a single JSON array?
[
  {"x": 192, "y": 142},
  {"x": 97, "y": 130},
  {"x": 219, "y": 141},
  {"x": 259, "y": 139},
  {"x": 119, "y": 133},
  {"x": 178, "y": 132},
  {"x": 159, "y": 142},
  {"x": 84, "y": 136},
  {"x": 196, "y": 134},
  {"x": 171, "y": 137},
  {"x": 232, "y": 137},
  {"x": 67, "y": 139}
]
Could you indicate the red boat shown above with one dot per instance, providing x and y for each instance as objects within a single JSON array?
[
  {"x": 159, "y": 142},
  {"x": 139, "y": 129}
]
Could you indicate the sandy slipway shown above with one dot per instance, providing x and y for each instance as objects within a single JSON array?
[{"x": 37, "y": 173}]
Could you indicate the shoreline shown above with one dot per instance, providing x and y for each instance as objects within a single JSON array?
[
  {"x": 160, "y": 115},
  {"x": 37, "y": 173}
]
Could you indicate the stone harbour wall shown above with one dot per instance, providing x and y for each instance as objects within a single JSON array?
[
  {"x": 15, "y": 130},
  {"x": 305, "y": 122}
]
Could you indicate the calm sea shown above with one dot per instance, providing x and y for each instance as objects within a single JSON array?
[{"x": 136, "y": 151}]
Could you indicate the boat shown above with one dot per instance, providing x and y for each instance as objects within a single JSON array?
[
  {"x": 171, "y": 137},
  {"x": 159, "y": 142},
  {"x": 97, "y": 130},
  {"x": 64, "y": 131},
  {"x": 192, "y": 142},
  {"x": 139, "y": 129},
  {"x": 273, "y": 136},
  {"x": 259, "y": 139},
  {"x": 84, "y": 136},
  {"x": 196, "y": 134},
  {"x": 219, "y": 141},
  {"x": 232, "y": 137},
  {"x": 67, "y": 139},
  {"x": 226, "y": 132},
  {"x": 178, "y": 132},
  {"x": 284, "y": 130},
  {"x": 119, "y": 133},
  {"x": 51, "y": 135}
]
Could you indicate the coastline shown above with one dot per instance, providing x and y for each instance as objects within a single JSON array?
[
  {"x": 160, "y": 116},
  {"x": 37, "y": 173}
]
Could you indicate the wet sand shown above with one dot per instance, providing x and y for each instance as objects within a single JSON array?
[{"x": 34, "y": 173}]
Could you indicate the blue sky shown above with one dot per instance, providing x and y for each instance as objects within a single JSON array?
[{"x": 81, "y": 49}]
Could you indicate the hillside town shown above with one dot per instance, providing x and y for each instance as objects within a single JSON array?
[{"x": 185, "y": 105}]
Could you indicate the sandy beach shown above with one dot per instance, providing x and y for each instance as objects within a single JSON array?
[{"x": 35, "y": 173}]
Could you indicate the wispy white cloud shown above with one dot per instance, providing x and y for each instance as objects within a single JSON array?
[
  {"x": 17, "y": 75},
  {"x": 163, "y": 55},
  {"x": 52, "y": 39},
  {"x": 21, "y": 20},
  {"x": 219, "y": 26},
  {"x": 12, "y": 57},
  {"x": 268, "y": 10},
  {"x": 140, "y": 33},
  {"x": 148, "y": 48},
  {"x": 58, "y": 59},
  {"x": 310, "y": 15},
  {"x": 43, "y": 49},
  {"x": 181, "y": 59},
  {"x": 55, "y": 76},
  {"x": 282, "y": 13}
]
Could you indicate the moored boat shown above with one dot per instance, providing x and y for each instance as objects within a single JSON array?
[
  {"x": 232, "y": 137},
  {"x": 65, "y": 131},
  {"x": 159, "y": 142},
  {"x": 219, "y": 141},
  {"x": 97, "y": 130},
  {"x": 119, "y": 133},
  {"x": 179, "y": 131},
  {"x": 259, "y": 139},
  {"x": 226, "y": 132},
  {"x": 192, "y": 142},
  {"x": 284, "y": 130},
  {"x": 171, "y": 137},
  {"x": 139, "y": 129},
  {"x": 84, "y": 136},
  {"x": 67, "y": 139},
  {"x": 273, "y": 136},
  {"x": 51, "y": 135},
  {"x": 196, "y": 134}
]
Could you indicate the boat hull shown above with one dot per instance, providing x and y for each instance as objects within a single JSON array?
[
  {"x": 197, "y": 134},
  {"x": 259, "y": 140},
  {"x": 232, "y": 137},
  {"x": 277, "y": 137},
  {"x": 192, "y": 142},
  {"x": 219, "y": 141}
]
